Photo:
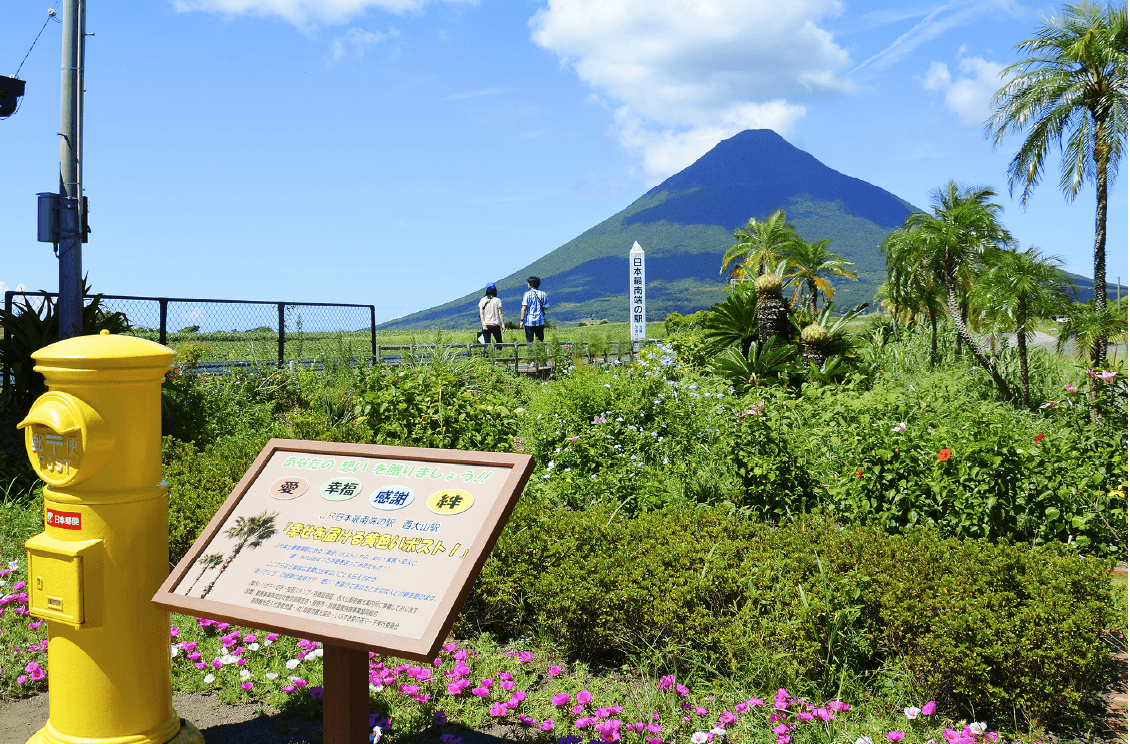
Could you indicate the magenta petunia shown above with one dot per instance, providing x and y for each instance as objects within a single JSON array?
[
  {"x": 895, "y": 735},
  {"x": 554, "y": 671},
  {"x": 584, "y": 696},
  {"x": 929, "y": 708},
  {"x": 561, "y": 698}
]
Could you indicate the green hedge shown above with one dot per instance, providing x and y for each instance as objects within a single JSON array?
[{"x": 977, "y": 625}]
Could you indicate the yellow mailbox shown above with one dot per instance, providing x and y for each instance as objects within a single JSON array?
[{"x": 95, "y": 440}]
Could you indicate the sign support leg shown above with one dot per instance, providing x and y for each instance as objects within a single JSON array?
[{"x": 345, "y": 710}]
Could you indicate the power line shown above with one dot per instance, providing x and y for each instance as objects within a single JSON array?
[{"x": 50, "y": 17}]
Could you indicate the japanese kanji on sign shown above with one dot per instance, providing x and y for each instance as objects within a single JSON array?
[
  {"x": 360, "y": 545},
  {"x": 637, "y": 304}
]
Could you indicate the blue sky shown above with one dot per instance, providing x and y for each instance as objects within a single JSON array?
[{"x": 401, "y": 153}]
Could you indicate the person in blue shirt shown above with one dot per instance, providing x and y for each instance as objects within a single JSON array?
[{"x": 534, "y": 303}]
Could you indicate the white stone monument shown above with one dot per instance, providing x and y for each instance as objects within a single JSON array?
[{"x": 637, "y": 313}]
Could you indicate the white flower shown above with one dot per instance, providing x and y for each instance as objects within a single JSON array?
[
  {"x": 912, "y": 712},
  {"x": 292, "y": 663},
  {"x": 209, "y": 679},
  {"x": 864, "y": 740},
  {"x": 272, "y": 675},
  {"x": 699, "y": 737},
  {"x": 977, "y": 728},
  {"x": 228, "y": 659},
  {"x": 376, "y": 734},
  {"x": 13, "y": 565},
  {"x": 174, "y": 651},
  {"x": 253, "y": 647},
  {"x": 718, "y": 731},
  {"x": 900, "y": 428},
  {"x": 316, "y": 653},
  {"x": 244, "y": 674}
]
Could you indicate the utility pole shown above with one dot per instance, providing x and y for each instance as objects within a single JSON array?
[{"x": 70, "y": 171}]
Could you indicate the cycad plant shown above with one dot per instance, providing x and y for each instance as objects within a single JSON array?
[{"x": 772, "y": 310}]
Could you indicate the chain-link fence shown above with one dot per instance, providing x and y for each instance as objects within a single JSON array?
[{"x": 239, "y": 330}]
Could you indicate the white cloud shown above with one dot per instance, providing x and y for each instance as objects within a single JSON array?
[
  {"x": 303, "y": 13},
  {"x": 357, "y": 40},
  {"x": 684, "y": 74},
  {"x": 969, "y": 96},
  {"x": 937, "y": 77}
]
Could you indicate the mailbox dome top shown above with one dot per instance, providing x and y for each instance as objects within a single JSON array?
[{"x": 105, "y": 351}]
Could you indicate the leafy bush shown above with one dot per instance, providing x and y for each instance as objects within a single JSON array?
[
  {"x": 433, "y": 405},
  {"x": 199, "y": 481},
  {"x": 628, "y": 435},
  {"x": 979, "y": 625}
]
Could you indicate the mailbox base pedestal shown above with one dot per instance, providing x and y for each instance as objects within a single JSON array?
[{"x": 188, "y": 734}]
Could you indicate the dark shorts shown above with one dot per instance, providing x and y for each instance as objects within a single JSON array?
[{"x": 532, "y": 331}]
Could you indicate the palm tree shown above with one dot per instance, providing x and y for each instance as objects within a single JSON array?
[
  {"x": 251, "y": 532},
  {"x": 812, "y": 264},
  {"x": 760, "y": 244},
  {"x": 1073, "y": 85},
  {"x": 1089, "y": 328},
  {"x": 913, "y": 285},
  {"x": 1018, "y": 288},
  {"x": 963, "y": 226},
  {"x": 206, "y": 563}
]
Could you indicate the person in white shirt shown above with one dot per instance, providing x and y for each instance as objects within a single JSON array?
[{"x": 490, "y": 315}]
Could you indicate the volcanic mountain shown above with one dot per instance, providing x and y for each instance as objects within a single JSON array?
[{"x": 685, "y": 224}]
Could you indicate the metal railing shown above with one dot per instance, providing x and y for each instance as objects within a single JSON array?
[{"x": 260, "y": 331}]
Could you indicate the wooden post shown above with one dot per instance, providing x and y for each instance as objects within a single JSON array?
[{"x": 345, "y": 709}]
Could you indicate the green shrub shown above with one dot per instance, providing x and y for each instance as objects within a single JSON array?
[
  {"x": 980, "y": 626},
  {"x": 628, "y": 435},
  {"x": 199, "y": 481},
  {"x": 433, "y": 406}
]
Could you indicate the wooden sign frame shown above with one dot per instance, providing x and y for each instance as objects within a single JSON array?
[{"x": 447, "y": 604}]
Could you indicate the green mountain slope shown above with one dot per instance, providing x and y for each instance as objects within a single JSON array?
[{"x": 684, "y": 226}]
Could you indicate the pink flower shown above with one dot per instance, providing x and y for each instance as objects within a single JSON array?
[
  {"x": 584, "y": 696},
  {"x": 526, "y": 656},
  {"x": 174, "y": 631},
  {"x": 1105, "y": 376},
  {"x": 929, "y": 708},
  {"x": 895, "y": 735},
  {"x": 35, "y": 671},
  {"x": 546, "y": 725},
  {"x": 247, "y": 685},
  {"x": 480, "y": 692},
  {"x": 756, "y": 702},
  {"x": 250, "y": 638},
  {"x": 299, "y": 682},
  {"x": 700, "y": 710},
  {"x": 561, "y": 698},
  {"x": 783, "y": 739},
  {"x": 1070, "y": 388},
  {"x": 508, "y": 684},
  {"x": 727, "y": 717},
  {"x": 454, "y": 688},
  {"x": 35, "y": 624},
  {"x": 900, "y": 428},
  {"x": 460, "y": 655},
  {"x": 21, "y": 679},
  {"x": 499, "y": 710},
  {"x": 554, "y": 671},
  {"x": 780, "y": 728},
  {"x": 839, "y": 706},
  {"x": 200, "y": 665},
  {"x": 289, "y": 689}
]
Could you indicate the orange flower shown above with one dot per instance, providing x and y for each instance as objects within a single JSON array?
[
  {"x": 859, "y": 474},
  {"x": 1040, "y": 436},
  {"x": 944, "y": 454}
]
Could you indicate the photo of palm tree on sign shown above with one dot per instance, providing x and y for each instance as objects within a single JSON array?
[
  {"x": 206, "y": 563},
  {"x": 250, "y": 532}
]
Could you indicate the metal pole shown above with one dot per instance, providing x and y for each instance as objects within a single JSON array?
[
  {"x": 70, "y": 181},
  {"x": 8, "y": 310},
  {"x": 162, "y": 333},
  {"x": 282, "y": 333},
  {"x": 373, "y": 328}
]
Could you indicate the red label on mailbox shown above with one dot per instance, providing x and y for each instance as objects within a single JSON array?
[{"x": 66, "y": 520}]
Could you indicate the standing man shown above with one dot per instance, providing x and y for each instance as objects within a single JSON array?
[{"x": 534, "y": 303}]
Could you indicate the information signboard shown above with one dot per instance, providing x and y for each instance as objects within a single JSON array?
[{"x": 361, "y": 546}]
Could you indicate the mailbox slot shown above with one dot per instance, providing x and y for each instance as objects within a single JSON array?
[{"x": 56, "y": 581}]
